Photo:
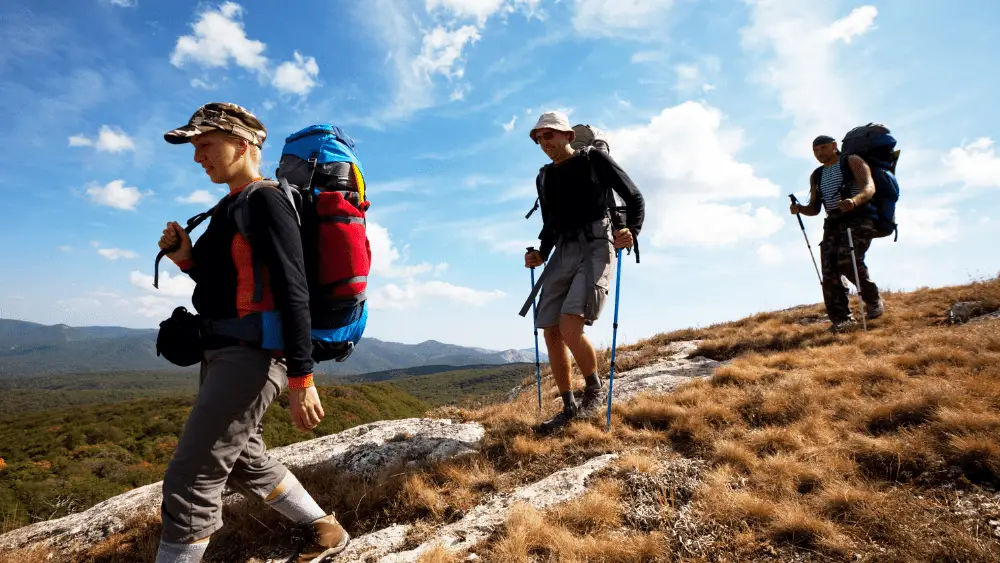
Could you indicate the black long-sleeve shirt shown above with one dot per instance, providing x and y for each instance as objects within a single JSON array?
[
  {"x": 275, "y": 241},
  {"x": 572, "y": 200}
]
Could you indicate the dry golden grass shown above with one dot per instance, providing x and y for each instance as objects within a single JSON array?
[
  {"x": 639, "y": 461},
  {"x": 827, "y": 445},
  {"x": 805, "y": 428},
  {"x": 439, "y": 554},
  {"x": 532, "y": 535}
]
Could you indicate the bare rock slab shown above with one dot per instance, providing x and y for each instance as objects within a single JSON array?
[
  {"x": 363, "y": 451},
  {"x": 480, "y": 522}
]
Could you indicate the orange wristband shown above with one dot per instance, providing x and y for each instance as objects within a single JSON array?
[{"x": 300, "y": 382}]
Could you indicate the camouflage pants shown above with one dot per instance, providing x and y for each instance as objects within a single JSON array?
[{"x": 835, "y": 256}]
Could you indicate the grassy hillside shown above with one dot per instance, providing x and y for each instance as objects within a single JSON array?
[
  {"x": 453, "y": 386},
  {"x": 59, "y": 461},
  {"x": 878, "y": 446}
]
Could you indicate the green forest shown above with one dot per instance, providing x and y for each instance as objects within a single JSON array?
[
  {"x": 68, "y": 442},
  {"x": 55, "y": 462}
]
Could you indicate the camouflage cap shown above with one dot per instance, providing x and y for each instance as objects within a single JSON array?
[{"x": 222, "y": 116}]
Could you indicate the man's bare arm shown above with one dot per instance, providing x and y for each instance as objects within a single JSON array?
[
  {"x": 863, "y": 177},
  {"x": 813, "y": 208}
]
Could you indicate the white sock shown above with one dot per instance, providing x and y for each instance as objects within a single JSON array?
[
  {"x": 180, "y": 552},
  {"x": 294, "y": 502}
]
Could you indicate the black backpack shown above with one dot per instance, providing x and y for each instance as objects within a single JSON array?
[{"x": 873, "y": 144}]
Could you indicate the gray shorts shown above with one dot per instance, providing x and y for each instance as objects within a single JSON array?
[
  {"x": 221, "y": 443},
  {"x": 578, "y": 277}
]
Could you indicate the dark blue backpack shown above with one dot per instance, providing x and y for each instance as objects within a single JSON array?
[{"x": 877, "y": 148}]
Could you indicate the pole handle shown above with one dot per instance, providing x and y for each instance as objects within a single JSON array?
[{"x": 797, "y": 216}]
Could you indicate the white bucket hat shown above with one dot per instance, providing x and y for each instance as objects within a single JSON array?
[{"x": 553, "y": 120}]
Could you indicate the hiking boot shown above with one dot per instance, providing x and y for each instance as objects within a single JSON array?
[
  {"x": 557, "y": 422},
  {"x": 593, "y": 397},
  {"x": 325, "y": 538},
  {"x": 876, "y": 311},
  {"x": 845, "y": 325}
]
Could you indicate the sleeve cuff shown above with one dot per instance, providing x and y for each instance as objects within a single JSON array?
[
  {"x": 185, "y": 264},
  {"x": 301, "y": 382}
]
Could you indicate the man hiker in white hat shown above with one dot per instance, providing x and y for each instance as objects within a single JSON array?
[
  {"x": 574, "y": 192},
  {"x": 828, "y": 186}
]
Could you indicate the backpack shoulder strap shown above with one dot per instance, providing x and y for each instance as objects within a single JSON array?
[
  {"x": 815, "y": 177},
  {"x": 241, "y": 215},
  {"x": 847, "y": 174},
  {"x": 540, "y": 188}
]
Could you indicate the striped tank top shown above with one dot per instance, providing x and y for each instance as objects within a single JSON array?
[{"x": 830, "y": 183}]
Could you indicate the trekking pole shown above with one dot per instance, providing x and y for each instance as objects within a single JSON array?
[
  {"x": 857, "y": 279},
  {"x": 803, "y": 227},
  {"x": 538, "y": 363},
  {"x": 614, "y": 337}
]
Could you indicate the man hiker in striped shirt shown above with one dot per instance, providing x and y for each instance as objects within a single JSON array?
[{"x": 845, "y": 188}]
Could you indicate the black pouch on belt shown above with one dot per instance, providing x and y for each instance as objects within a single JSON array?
[{"x": 179, "y": 339}]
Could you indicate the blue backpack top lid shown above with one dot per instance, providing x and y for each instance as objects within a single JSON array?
[{"x": 327, "y": 143}]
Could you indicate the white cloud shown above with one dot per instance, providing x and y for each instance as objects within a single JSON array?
[
  {"x": 117, "y": 253},
  {"x": 770, "y": 254},
  {"x": 458, "y": 94},
  {"x": 171, "y": 286},
  {"x": 386, "y": 257},
  {"x": 803, "y": 68},
  {"x": 683, "y": 162},
  {"x": 392, "y": 296},
  {"x": 861, "y": 20},
  {"x": 691, "y": 76},
  {"x": 927, "y": 226},
  {"x": 385, "y": 264},
  {"x": 296, "y": 77},
  {"x": 66, "y": 248},
  {"x": 975, "y": 164},
  {"x": 218, "y": 38},
  {"x": 201, "y": 84},
  {"x": 115, "y": 194},
  {"x": 109, "y": 139},
  {"x": 509, "y": 126},
  {"x": 124, "y": 3},
  {"x": 623, "y": 18},
  {"x": 640, "y": 57},
  {"x": 478, "y": 9},
  {"x": 200, "y": 197},
  {"x": 113, "y": 140},
  {"x": 154, "y": 307},
  {"x": 442, "y": 50},
  {"x": 80, "y": 141}
]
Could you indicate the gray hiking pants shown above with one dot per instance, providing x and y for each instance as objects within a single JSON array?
[
  {"x": 221, "y": 443},
  {"x": 578, "y": 276}
]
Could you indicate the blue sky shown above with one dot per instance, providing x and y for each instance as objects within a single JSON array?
[{"x": 710, "y": 106}]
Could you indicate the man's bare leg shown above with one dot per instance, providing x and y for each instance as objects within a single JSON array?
[
  {"x": 571, "y": 330},
  {"x": 558, "y": 357}
]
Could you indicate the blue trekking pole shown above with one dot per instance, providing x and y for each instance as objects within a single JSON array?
[
  {"x": 538, "y": 363},
  {"x": 614, "y": 337}
]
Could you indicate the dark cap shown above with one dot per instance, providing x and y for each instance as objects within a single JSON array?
[
  {"x": 222, "y": 116},
  {"x": 823, "y": 139}
]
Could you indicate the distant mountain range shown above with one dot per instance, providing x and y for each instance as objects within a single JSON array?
[{"x": 29, "y": 349}]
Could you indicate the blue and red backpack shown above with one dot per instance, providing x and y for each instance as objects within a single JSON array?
[{"x": 321, "y": 175}]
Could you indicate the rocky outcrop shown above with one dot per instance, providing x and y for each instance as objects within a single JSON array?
[
  {"x": 383, "y": 546},
  {"x": 674, "y": 368},
  {"x": 971, "y": 312},
  {"x": 362, "y": 451}
]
